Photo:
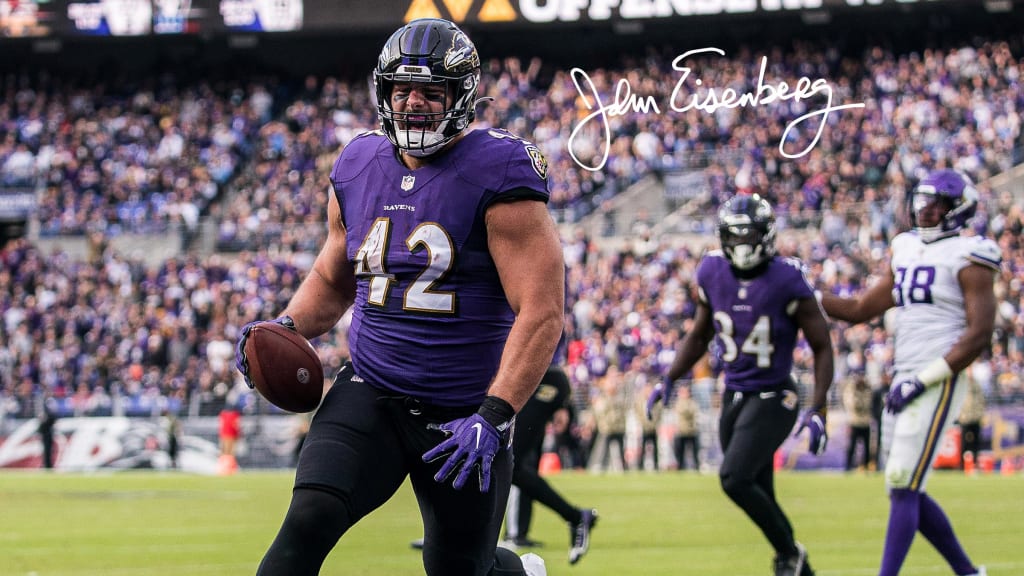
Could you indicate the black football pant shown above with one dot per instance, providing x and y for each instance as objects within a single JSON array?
[
  {"x": 531, "y": 426},
  {"x": 682, "y": 444},
  {"x": 752, "y": 427},
  {"x": 361, "y": 446}
]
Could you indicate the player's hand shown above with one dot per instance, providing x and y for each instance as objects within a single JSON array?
[
  {"x": 661, "y": 393},
  {"x": 903, "y": 393},
  {"x": 817, "y": 436},
  {"x": 241, "y": 363},
  {"x": 472, "y": 442}
]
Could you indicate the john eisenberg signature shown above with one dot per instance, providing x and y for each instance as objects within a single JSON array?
[{"x": 682, "y": 101}]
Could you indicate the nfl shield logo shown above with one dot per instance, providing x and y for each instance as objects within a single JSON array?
[{"x": 407, "y": 182}]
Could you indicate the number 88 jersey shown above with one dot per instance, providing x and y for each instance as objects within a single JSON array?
[{"x": 929, "y": 314}]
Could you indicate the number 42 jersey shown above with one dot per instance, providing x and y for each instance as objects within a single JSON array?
[
  {"x": 430, "y": 317},
  {"x": 929, "y": 314}
]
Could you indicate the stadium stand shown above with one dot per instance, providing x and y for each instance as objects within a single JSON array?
[{"x": 228, "y": 163}]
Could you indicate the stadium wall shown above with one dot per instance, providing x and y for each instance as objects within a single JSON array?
[{"x": 270, "y": 441}]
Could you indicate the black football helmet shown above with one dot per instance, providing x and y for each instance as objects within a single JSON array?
[
  {"x": 958, "y": 195},
  {"x": 746, "y": 229},
  {"x": 428, "y": 50}
]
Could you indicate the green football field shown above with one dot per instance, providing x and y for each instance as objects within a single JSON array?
[{"x": 148, "y": 524}]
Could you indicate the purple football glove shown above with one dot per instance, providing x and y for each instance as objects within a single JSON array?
[
  {"x": 661, "y": 393},
  {"x": 241, "y": 363},
  {"x": 817, "y": 437},
  {"x": 472, "y": 443},
  {"x": 902, "y": 394}
]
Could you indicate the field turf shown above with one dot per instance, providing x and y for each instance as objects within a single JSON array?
[{"x": 156, "y": 524}]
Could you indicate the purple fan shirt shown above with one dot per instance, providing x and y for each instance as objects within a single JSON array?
[
  {"x": 430, "y": 317},
  {"x": 755, "y": 328}
]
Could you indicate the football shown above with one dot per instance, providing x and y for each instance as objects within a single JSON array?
[{"x": 284, "y": 367}]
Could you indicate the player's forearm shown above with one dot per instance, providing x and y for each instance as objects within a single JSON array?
[
  {"x": 971, "y": 344},
  {"x": 318, "y": 304},
  {"x": 692, "y": 349},
  {"x": 528, "y": 351},
  {"x": 845, "y": 309},
  {"x": 824, "y": 369}
]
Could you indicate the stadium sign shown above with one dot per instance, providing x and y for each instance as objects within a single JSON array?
[
  {"x": 16, "y": 204},
  {"x": 146, "y": 18},
  {"x": 550, "y": 11}
]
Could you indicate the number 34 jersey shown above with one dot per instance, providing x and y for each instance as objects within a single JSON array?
[
  {"x": 430, "y": 317},
  {"x": 929, "y": 315},
  {"x": 755, "y": 329}
]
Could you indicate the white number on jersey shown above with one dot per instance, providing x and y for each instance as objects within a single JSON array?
[
  {"x": 758, "y": 343},
  {"x": 371, "y": 261}
]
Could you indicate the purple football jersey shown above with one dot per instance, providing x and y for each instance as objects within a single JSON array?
[
  {"x": 754, "y": 324},
  {"x": 430, "y": 317}
]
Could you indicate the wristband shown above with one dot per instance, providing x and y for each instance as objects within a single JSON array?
[
  {"x": 935, "y": 372},
  {"x": 497, "y": 412}
]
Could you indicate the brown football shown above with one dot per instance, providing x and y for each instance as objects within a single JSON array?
[{"x": 284, "y": 367}]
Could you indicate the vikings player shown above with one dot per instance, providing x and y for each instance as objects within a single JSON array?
[
  {"x": 941, "y": 285},
  {"x": 440, "y": 240},
  {"x": 754, "y": 303}
]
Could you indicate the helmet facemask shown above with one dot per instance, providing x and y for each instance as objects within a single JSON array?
[
  {"x": 746, "y": 230},
  {"x": 744, "y": 245},
  {"x": 433, "y": 52}
]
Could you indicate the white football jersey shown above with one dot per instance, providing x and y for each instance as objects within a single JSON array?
[{"x": 929, "y": 302}]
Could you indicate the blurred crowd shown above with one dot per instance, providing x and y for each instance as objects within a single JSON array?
[{"x": 111, "y": 334}]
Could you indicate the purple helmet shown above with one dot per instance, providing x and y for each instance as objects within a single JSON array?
[{"x": 952, "y": 188}]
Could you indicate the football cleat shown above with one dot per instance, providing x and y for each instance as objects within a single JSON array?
[
  {"x": 533, "y": 565},
  {"x": 579, "y": 535},
  {"x": 795, "y": 565},
  {"x": 526, "y": 542}
]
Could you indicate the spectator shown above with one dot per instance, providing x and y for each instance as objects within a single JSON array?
[
  {"x": 857, "y": 402},
  {"x": 686, "y": 437},
  {"x": 971, "y": 415}
]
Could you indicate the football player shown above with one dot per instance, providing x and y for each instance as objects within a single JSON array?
[
  {"x": 440, "y": 240},
  {"x": 941, "y": 286},
  {"x": 754, "y": 303},
  {"x": 531, "y": 425}
]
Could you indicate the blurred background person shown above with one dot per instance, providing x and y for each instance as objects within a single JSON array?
[
  {"x": 857, "y": 403},
  {"x": 971, "y": 415},
  {"x": 686, "y": 437},
  {"x": 610, "y": 411}
]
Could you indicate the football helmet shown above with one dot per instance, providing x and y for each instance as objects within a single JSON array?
[
  {"x": 952, "y": 188},
  {"x": 746, "y": 229},
  {"x": 428, "y": 50}
]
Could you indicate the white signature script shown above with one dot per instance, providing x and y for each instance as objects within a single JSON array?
[{"x": 625, "y": 101}]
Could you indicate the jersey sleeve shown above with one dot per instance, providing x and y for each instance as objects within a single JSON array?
[
  {"x": 983, "y": 251},
  {"x": 508, "y": 166},
  {"x": 709, "y": 266},
  {"x": 800, "y": 283}
]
